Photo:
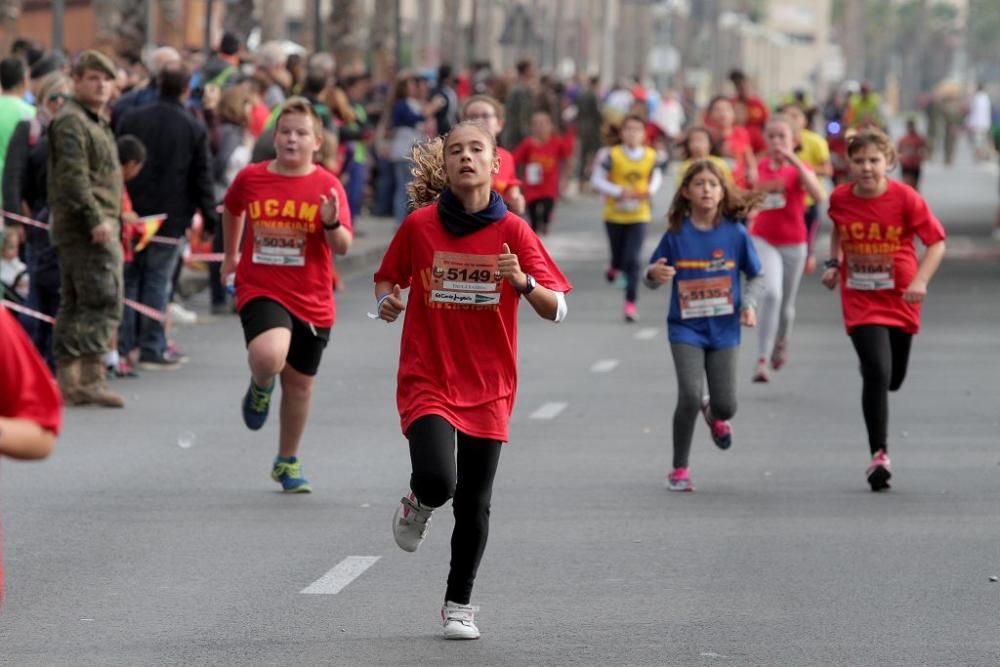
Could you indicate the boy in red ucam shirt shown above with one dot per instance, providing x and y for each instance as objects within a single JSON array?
[
  {"x": 30, "y": 404},
  {"x": 540, "y": 158},
  {"x": 467, "y": 263},
  {"x": 882, "y": 285},
  {"x": 284, "y": 275}
]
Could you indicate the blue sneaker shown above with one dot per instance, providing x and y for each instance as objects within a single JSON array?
[
  {"x": 288, "y": 471},
  {"x": 255, "y": 405}
]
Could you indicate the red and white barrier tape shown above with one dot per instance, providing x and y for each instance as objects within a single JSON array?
[
  {"x": 146, "y": 218},
  {"x": 26, "y": 221},
  {"x": 143, "y": 309},
  {"x": 24, "y": 310},
  {"x": 151, "y": 313},
  {"x": 205, "y": 257}
]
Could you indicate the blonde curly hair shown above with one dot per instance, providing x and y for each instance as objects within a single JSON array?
[{"x": 430, "y": 178}]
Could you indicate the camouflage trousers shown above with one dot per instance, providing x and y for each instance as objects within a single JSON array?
[{"x": 91, "y": 306}]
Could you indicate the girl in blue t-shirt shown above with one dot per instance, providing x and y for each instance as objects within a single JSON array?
[{"x": 703, "y": 252}]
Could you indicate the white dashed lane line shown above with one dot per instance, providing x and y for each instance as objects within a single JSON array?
[
  {"x": 342, "y": 574},
  {"x": 649, "y": 333},
  {"x": 548, "y": 410},
  {"x": 604, "y": 366}
]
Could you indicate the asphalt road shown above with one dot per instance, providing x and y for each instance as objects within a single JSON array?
[{"x": 154, "y": 535}]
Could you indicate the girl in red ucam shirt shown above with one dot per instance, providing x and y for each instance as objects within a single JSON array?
[
  {"x": 882, "y": 285},
  {"x": 780, "y": 237},
  {"x": 284, "y": 275},
  {"x": 540, "y": 159},
  {"x": 468, "y": 263},
  {"x": 30, "y": 404},
  {"x": 488, "y": 111}
]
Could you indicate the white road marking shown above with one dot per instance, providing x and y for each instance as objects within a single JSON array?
[
  {"x": 548, "y": 410},
  {"x": 604, "y": 366},
  {"x": 342, "y": 574},
  {"x": 649, "y": 333}
]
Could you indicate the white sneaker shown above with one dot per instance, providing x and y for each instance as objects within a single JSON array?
[
  {"x": 181, "y": 315},
  {"x": 459, "y": 621},
  {"x": 410, "y": 523}
]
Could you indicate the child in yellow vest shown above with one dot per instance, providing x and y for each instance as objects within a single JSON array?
[{"x": 627, "y": 174}]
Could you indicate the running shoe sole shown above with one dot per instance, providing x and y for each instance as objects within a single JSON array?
[{"x": 879, "y": 478}]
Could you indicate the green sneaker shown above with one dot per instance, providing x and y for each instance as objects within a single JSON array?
[{"x": 288, "y": 472}]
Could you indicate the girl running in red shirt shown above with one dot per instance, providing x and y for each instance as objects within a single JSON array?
[
  {"x": 489, "y": 112},
  {"x": 733, "y": 141},
  {"x": 468, "y": 263},
  {"x": 284, "y": 275},
  {"x": 540, "y": 158},
  {"x": 882, "y": 285},
  {"x": 780, "y": 235}
]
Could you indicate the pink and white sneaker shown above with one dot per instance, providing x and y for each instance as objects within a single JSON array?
[
  {"x": 760, "y": 373},
  {"x": 878, "y": 471},
  {"x": 780, "y": 355},
  {"x": 631, "y": 314},
  {"x": 679, "y": 480},
  {"x": 722, "y": 432}
]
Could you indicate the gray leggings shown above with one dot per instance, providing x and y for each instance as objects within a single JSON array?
[
  {"x": 782, "y": 272},
  {"x": 692, "y": 364}
]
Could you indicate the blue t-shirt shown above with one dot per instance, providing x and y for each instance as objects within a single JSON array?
[{"x": 708, "y": 265}]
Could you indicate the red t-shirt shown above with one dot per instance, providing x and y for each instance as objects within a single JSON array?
[
  {"x": 285, "y": 256},
  {"x": 734, "y": 147},
  {"x": 756, "y": 112},
  {"x": 879, "y": 258},
  {"x": 910, "y": 148},
  {"x": 27, "y": 388},
  {"x": 460, "y": 361},
  {"x": 506, "y": 177},
  {"x": 781, "y": 220},
  {"x": 541, "y": 162}
]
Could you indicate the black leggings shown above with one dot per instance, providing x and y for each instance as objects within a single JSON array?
[
  {"x": 540, "y": 214},
  {"x": 436, "y": 478},
  {"x": 626, "y": 243},
  {"x": 884, "y": 353}
]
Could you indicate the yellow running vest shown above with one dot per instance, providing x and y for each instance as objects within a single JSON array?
[{"x": 631, "y": 175}]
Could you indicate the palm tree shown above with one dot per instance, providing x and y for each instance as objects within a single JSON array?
[{"x": 346, "y": 32}]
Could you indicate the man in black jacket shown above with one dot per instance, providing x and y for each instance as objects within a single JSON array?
[{"x": 176, "y": 181}]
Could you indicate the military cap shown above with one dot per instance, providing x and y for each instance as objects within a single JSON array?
[{"x": 98, "y": 61}]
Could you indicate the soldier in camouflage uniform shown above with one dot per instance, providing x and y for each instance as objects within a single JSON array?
[{"x": 85, "y": 196}]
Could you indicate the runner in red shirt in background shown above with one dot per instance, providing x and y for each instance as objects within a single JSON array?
[
  {"x": 912, "y": 149},
  {"x": 779, "y": 236},
  {"x": 732, "y": 141},
  {"x": 882, "y": 285},
  {"x": 30, "y": 404},
  {"x": 468, "y": 263},
  {"x": 284, "y": 276},
  {"x": 489, "y": 112},
  {"x": 756, "y": 110},
  {"x": 539, "y": 158}
]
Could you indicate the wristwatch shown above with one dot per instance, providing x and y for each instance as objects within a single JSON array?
[
  {"x": 529, "y": 284},
  {"x": 335, "y": 225}
]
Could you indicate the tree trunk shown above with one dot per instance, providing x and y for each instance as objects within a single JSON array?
[
  {"x": 272, "y": 21},
  {"x": 450, "y": 36},
  {"x": 346, "y": 33},
  {"x": 239, "y": 18},
  {"x": 10, "y": 10},
  {"x": 384, "y": 40}
]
